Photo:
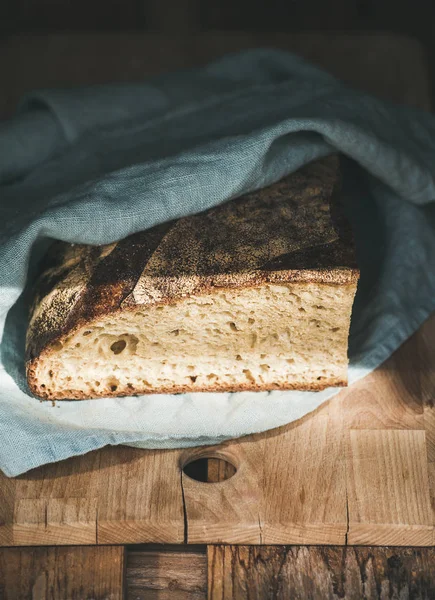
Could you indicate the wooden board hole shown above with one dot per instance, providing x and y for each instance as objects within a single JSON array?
[{"x": 209, "y": 469}]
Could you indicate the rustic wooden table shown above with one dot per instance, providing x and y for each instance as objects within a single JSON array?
[{"x": 356, "y": 478}]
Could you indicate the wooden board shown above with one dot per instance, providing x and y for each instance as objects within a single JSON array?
[
  {"x": 219, "y": 573},
  {"x": 357, "y": 471},
  {"x": 287, "y": 573},
  {"x": 117, "y": 495},
  {"x": 360, "y": 470},
  {"x": 166, "y": 573},
  {"x": 62, "y": 573}
]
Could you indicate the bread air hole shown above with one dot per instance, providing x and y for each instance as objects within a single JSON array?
[
  {"x": 127, "y": 343},
  {"x": 112, "y": 384},
  {"x": 118, "y": 347},
  {"x": 248, "y": 375}
]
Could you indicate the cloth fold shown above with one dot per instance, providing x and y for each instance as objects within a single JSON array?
[{"x": 93, "y": 165}]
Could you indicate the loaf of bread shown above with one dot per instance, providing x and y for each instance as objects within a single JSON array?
[{"x": 255, "y": 294}]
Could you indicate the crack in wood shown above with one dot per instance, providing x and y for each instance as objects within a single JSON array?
[
  {"x": 185, "y": 519},
  {"x": 260, "y": 528},
  {"x": 346, "y": 534},
  {"x": 96, "y": 524}
]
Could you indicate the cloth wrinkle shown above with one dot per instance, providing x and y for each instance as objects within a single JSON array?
[{"x": 136, "y": 155}]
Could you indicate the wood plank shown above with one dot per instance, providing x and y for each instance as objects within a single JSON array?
[
  {"x": 117, "y": 495},
  {"x": 388, "y": 466},
  {"x": 72, "y": 573},
  {"x": 142, "y": 500},
  {"x": 304, "y": 499},
  {"x": 349, "y": 573},
  {"x": 427, "y": 378},
  {"x": 66, "y": 479},
  {"x": 167, "y": 573},
  {"x": 227, "y": 511},
  {"x": 394, "y": 399},
  {"x": 427, "y": 374},
  {"x": 54, "y": 521},
  {"x": 388, "y": 488},
  {"x": 219, "y": 470},
  {"x": 53, "y": 505},
  {"x": 7, "y": 508}
]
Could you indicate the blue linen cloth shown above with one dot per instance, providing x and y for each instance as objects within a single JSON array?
[{"x": 93, "y": 165}]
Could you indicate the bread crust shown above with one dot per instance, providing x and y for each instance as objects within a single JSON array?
[{"x": 291, "y": 231}]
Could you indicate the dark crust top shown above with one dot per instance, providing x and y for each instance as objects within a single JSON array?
[{"x": 291, "y": 231}]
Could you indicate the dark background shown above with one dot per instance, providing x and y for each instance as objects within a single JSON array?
[{"x": 415, "y": 18}]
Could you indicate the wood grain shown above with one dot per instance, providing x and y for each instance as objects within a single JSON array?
[
  {"x": 167, "y": 573},
  {"x": 349, "y": 573},
  {"x": 304, "y": 497},
  {"x": 388, "y": 489},
  {"x": 427, "y": 378},
  {"x": 58, "y": 502},
  {"x": 142, "y": 499},
  {"x": 73, "y": 573},
  {"x": 393, "y": 400},
  {"x": 284, "y": 489},
  {"x": 219, "y": 470}
]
